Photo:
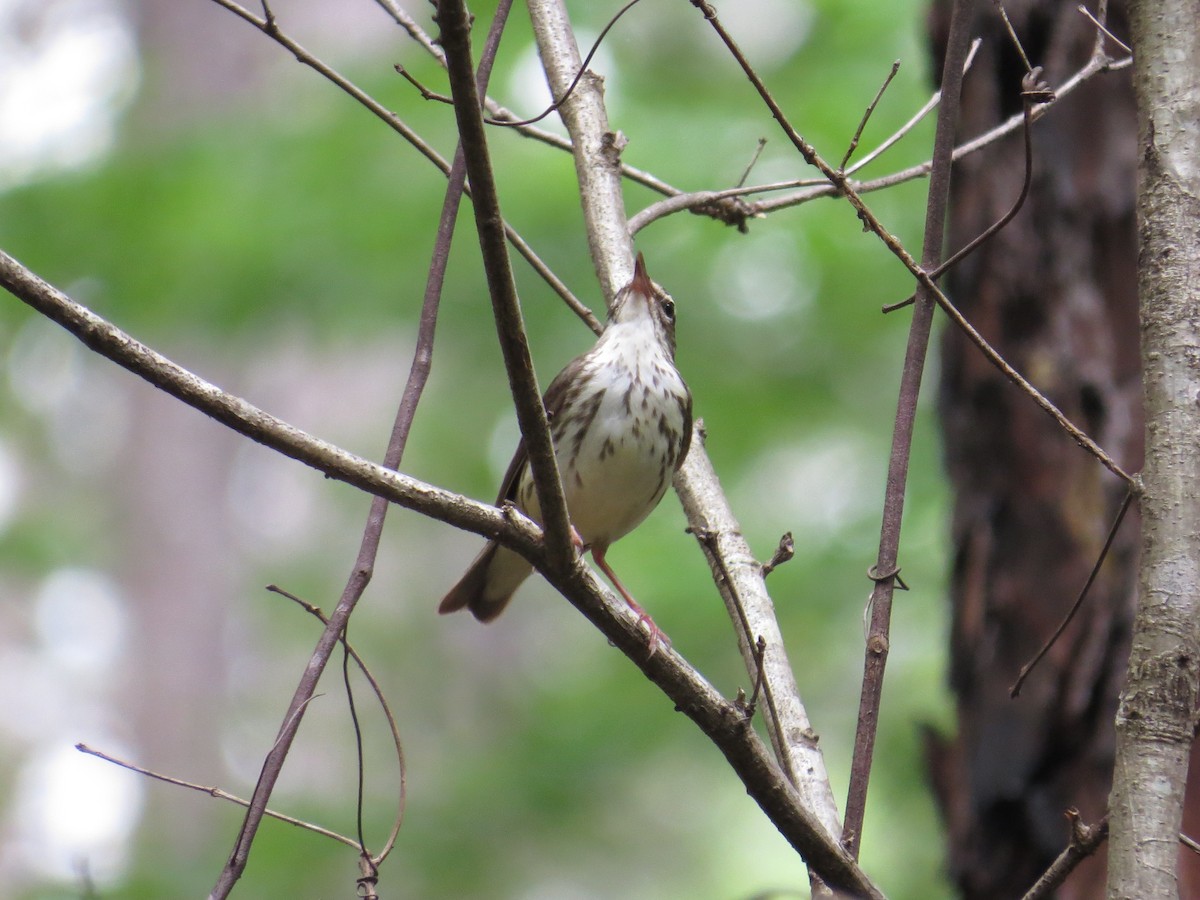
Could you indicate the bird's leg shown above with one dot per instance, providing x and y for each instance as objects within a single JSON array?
[{"x": 656, "y": 634}]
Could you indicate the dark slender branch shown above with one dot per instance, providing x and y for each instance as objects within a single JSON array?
[
  {"x": 994, "y": 357},
  {"x": 762, "y": 142},
  {"x": 1015, "y": 690},
  {"x": 361, "y": 766},
  {"x": 910, "y": 386},
  {"x": 364, "y": 564},
  {"x": 455, "y": 24}
]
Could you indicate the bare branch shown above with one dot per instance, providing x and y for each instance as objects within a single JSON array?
[
  {"x": 862, "y": 123},
  {"x": 111, "y": 342}
]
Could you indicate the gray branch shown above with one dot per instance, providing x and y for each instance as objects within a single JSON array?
[{"x": 597, "y": 161}]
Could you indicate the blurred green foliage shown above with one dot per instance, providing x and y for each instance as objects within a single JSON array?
[{"x": 550, "y": 768}]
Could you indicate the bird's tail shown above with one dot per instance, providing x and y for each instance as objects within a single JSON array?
[{"x": 488, "y": 584}]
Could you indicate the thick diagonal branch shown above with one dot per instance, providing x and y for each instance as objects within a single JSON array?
[{"x": 723, "y": 722}]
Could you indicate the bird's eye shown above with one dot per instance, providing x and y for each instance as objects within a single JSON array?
[{"x": 668, "y": 308}]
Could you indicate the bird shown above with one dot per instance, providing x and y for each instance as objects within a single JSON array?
[{"x": 621, "y": 423}]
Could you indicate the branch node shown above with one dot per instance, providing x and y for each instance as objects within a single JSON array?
[
  {"x": 747, "y": 708},
  {"x": 783, "y": 553}
]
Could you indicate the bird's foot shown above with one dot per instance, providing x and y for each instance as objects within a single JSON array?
[{"x": 657, "y": 635}]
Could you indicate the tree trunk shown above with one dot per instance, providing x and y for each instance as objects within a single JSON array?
[
  {"x": 1055, "y": 292},
  {"x": 1157, "y": 715}
]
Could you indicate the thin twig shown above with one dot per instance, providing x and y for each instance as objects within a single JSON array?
[
  {"x": 862, "y": 123},
  {"x": 1012, "y": 35},
  {"x": 916, "y": 119},
  {"x": 578, "y": 75},
  {"x": 1103, "y": 31},
  {"x": 762, "y": 142},
  {"x": 1026, "y": 669},
  {"x": 994, "y": 357},
  {"x": 1033, "y": 91},
  {"x": 216, "y": 792}
]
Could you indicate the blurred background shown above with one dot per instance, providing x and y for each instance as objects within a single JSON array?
[{"x": 176, "y": 171}]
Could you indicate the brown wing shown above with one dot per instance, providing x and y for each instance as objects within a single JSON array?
[
  {"x": 553, "y": 400},
  {"x": 687, "y": 432}
]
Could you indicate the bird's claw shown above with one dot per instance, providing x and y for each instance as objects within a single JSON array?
[{"x": 657, "y": 635}]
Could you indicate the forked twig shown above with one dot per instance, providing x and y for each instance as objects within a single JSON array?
[
  {"x": 1103, "y": 31},
  {"x": 216, "y": 792},
  {"x": 1085, "y": 840},
  {"x": 393, "y": 726}
]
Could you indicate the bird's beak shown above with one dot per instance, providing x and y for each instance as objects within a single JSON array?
[{"x": 641, "y": 281}]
